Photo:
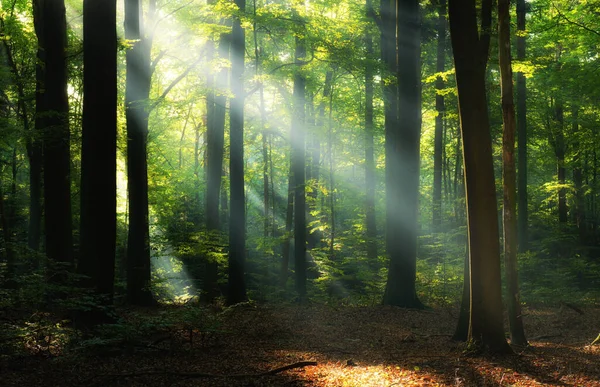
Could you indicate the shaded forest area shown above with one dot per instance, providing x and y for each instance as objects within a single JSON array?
[{"x": 306, "y": 193}]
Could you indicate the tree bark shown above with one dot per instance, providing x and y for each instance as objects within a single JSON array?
[
  {"x": 298, "y": 169},
  {"x": 56, "y": 145},
  {"x": 515, "y": 317},
  {"x": 99, "y": 147},
  {"x": 440, "y": 107},
  {"x": 237, "y": 224},
  {"x": 136, "y": 99},
  {"x": 522, "y": 134},
  {"x": 402, "y": 162},
  {"x": 580, "y": 211},
  {"x": 370, "y": 220},
  {"x": 215, "y": 141},
  {"x": 486, "y": 329}
]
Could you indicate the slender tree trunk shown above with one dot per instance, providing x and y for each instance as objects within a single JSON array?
[
  {"x": 136, "y": 96},
  {"x": 7, "y": 235},
  {"x": 560, "y": 151},
  {"x": 331, "y": 181},
  {"x": 298, "y": 169},
  {"x": 215, "y": 138},
  {"x": 402, "y": 163},
  {"x": 470, "y": 58},
  {"x": 289, "y": 218},
  {"x": 523, "y": 211},
  {"x": 580, "y": 213},
  {"x": 370, "y": 220},
  {"x": 237, "y": 224},
  {"x": 515, "y": 317},
  {"x": 99, "y": 146},
  {"x": 56, "y": 151},
  {"x": 439, "y": 119}
]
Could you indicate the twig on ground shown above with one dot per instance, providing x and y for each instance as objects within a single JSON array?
[{"x": 300, "y": 364}]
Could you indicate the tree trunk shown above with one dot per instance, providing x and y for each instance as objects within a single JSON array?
[
  {"x": 470, "y": 58},
  {"x": 298, "y": 169},
  {"x": 402, "y": 162},
  {"x": 370, "y": 170},
  {"x": 289, "y": 218},
  {"x": 515, "y": 317},
  {"x": 522, "y": 134},
  {"x": 237, "y": 224},
  {"x": 136, "y": 114},
  {"x": 560, "y": 151},
  {"x": 56, "y": 146},
  {"x": 99, "y": 147},
  {"x": 215, "y": 141},
  {"x": 439, "y": 119},
  {"x": 580, "y": 212}
]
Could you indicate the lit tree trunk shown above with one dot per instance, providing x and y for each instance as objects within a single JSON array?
[
  {"x": 402, "y": 161},
  {"x": 515, "y": 317},
  {"x": 99, "y": 146},
  {"x": 470, "y": 57},
  {"x": 522, "y": 134},
  {"x": 298, "y": 170},
  {"x": 237, "y": 224},
  {"x": 56, "y": 148},
  {"x": 136, "y": 113},
  {"x": 370, "y": 221},
  {"x": 439, "y": 119},
  {"x": 215, "y": 138}
]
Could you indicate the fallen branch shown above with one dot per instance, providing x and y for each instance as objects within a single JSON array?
[
  {"x": 573, "y": 307},
  {"x": 300, "y": 364}
]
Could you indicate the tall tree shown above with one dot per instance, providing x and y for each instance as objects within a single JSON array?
[
  {"x": 136, "y": 113},
  {"x": 470, "y": 58},
  {"x": 515, "y": 317},
  {"x": 99, "y": 145},
  {"x": 298, "y": 167},
  {"x": 403, "y": 158},
  {"x": 237, "y": 225},
  {"x": 440, "y": 107},
  {"x": 56, "y": 138},
  {"x": 522, "y": 133},
  {"x": 215, "y": 141},
  {"x": 370, "y": 221}
]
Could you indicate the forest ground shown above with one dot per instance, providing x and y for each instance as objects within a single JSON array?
[{"x": 352, "y": 346}]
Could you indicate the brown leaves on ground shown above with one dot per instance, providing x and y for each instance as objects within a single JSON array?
[{"x": 353, "y": 346}]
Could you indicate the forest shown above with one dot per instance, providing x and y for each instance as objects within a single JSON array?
[{"x": 299, "y": 193}]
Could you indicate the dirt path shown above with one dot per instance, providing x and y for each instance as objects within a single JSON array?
[{"x": 361, "y": 346}]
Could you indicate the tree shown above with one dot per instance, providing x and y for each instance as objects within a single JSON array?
[
  {"x": 237, "y": 224},
  {"x": 522, "y": 133},
  {"x": 439, "y": 118},
  {"x": 215, "y": 138},
  {"x": 52, "y": 33},
  {"x": 470, "y": 58},
  {"x": 515, "y": 318},
  {"x": 136, "y": 112},
  {"x": 402, "y": 155},
  {"x": 298, "y": 161},
  {"x": 99, "y": 146},
  {"x": 370, "y": 220}
]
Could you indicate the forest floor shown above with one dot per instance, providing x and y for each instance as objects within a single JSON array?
[{"x": 351, "y": 346}]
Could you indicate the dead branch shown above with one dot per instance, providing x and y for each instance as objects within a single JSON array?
[
  {"x": 300, "y": 364},
  {"x": 573, "y": 307}
]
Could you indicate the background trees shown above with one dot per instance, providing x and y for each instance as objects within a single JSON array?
[{"x": 374, "y": 160}]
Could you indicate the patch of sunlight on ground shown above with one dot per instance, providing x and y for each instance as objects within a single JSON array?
[
  {"x": 340, "y": 374},
  {"x": 174, "y": 281}
]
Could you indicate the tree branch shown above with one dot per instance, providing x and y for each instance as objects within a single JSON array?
[{"x": 562, "y": 15}]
